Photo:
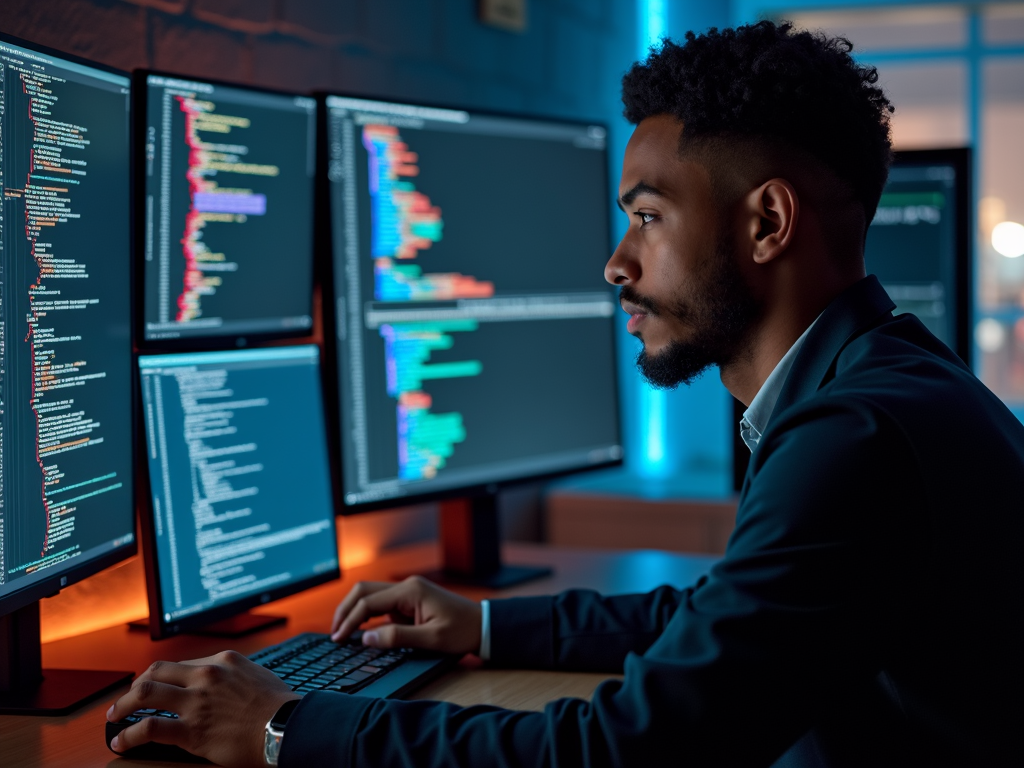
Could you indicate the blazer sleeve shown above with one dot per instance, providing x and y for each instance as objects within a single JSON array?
[
  {"x": 579, "y": 630},
  {"x": 789, "y": 623}
]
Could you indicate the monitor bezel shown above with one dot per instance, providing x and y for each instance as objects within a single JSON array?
[
  {"x": 51, "y": 586},
  {"x": 160, "y": 629},
  {"x": 325, "y": 273},
  {"x": 202, "y": 342},
  {"x": 961, "y": 159}
]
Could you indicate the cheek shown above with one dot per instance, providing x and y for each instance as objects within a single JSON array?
[{"x": 670, "y": 270}]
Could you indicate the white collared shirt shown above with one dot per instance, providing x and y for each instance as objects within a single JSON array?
[{"x": 755, "y": 418}]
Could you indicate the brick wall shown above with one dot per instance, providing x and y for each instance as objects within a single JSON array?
[{"x": 568, "y": 62}]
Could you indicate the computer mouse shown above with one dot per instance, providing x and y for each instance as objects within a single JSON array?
[{"x": 150, "y": 750}]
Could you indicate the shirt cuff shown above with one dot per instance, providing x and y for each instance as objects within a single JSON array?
[
  {"x": 522, "y": 632},
  {"x": 485, "y": 630}
]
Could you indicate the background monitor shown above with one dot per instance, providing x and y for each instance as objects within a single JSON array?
[
  {"x": 471, "y": 321},
  {"x": 66, "y": 457},
  {"x": 917, "y": 243},
  {"x": 226, "y": 175},
  {"x": 919, "y": 248},
  {"x": 239, "y": 485}
]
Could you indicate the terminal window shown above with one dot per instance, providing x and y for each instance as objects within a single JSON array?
[
  {"x": 228, "y": 235},
  {"x": 473, "y": 319},
  {"x": 65, "y": 348},
  {"x": 238, "y": 473}
]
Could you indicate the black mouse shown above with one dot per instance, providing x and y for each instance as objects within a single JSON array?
[{"x": 150, "y": 750}]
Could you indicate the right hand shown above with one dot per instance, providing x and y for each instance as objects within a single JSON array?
[{"x": 423, "y": 615}]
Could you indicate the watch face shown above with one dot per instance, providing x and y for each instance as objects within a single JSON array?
[{"x": 279, "y": 720}]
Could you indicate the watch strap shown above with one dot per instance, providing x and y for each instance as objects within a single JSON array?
[{"x": 280, "y": 720}]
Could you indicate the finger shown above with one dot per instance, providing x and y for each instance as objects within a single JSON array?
[
  {"x": 398, "y": 598},
  {"x": 357, "y": 592},
  {"x": 149, "y": 694},
  {"x": 372, "y": 604},
  {"x": 163, "y": 730},
  {"x": 166, "y": 672},
  {"x": 401, "y": 636}
]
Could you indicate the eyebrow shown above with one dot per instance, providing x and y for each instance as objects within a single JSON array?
[{"x": 640, "y": 188}]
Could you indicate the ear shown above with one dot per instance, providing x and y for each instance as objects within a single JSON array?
[{"x": 774, "y": 208}]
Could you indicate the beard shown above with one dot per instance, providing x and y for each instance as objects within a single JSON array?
[{"x": 720, "y": 312}]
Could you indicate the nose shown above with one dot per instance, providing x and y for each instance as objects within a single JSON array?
[{"x": 622, "y": 268}]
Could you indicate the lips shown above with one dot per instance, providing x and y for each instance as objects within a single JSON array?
[{"x": 636, "y": 315}]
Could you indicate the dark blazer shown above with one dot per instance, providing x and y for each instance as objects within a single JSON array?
[{"x": 868, "y": 610}]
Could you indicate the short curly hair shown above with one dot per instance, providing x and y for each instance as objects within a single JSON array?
[{"x": 768, "y": 82}]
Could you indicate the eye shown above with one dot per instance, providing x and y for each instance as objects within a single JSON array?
[{"x": 645, "y": 218}]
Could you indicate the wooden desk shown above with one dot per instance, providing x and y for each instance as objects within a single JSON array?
[{"x": 76, "y": 741}]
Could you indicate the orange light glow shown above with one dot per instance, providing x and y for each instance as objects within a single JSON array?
[{"x": 118, "y": 594}]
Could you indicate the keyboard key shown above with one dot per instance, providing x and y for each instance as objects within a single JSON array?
[{"x": 358, "y": 676}]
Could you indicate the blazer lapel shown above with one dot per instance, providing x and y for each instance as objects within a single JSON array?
[{"x": 860, "y": 307}]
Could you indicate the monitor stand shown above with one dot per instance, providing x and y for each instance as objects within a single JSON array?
[
  {"x": 234, "y": 626},
  {"x": 28, "y": 689},
  {"x": 470, "y": 547}
]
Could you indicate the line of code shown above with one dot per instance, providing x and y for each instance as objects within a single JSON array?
[
  {"x": 404, "y": 222},
  {"x": 212, "y": 203},
  {"x": 425, "y": 440},
  {"x": 225, "y": 469}
]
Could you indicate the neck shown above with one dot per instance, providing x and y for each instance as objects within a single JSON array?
[{"x": 787, "y": 316}]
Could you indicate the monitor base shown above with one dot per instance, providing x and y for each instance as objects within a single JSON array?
[
  {"x": 506, "y": 576},
  {"x": 62, "y": 691},
  {"x": 470, "y": 547},
  {"x": 28, "y": 689},
  {"x": 240, "y": 625},
  {"x": 235, "y": 626}
]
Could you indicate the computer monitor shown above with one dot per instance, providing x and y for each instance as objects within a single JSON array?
[
  {"x": 466, "y": 308},
  {"x": 66, "y": 457},
  {"x": 226, "y": 177},
  {"x": 918, "y": 242},
  {"x": 240, "y": 500},
  {"x": 918, "y": 245}
]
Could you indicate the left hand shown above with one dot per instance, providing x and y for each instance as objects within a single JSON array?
[{"x": 223, "y": 704}]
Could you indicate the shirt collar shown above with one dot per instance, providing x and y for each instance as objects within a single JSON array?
[{"x": 755, "y": 418}]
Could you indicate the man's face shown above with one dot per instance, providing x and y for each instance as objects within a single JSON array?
[{"x": 677, "y": 265}]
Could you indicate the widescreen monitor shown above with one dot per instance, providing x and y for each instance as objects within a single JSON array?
[
  {"x": 240, "y": 499},
  {"x": 225, "y": 176},
  {"x": 66, "y": 436},
  {"x": 918, "y": 246},
  {"x": 467, "y": 306}
]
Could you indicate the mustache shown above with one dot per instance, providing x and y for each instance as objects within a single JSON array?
[{"x": 630, "y": 294}]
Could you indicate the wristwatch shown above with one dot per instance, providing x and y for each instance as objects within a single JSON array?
[{"x": 275, "y": 731}]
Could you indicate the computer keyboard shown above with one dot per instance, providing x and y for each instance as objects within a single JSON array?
[{"x": 314, "y": 662}]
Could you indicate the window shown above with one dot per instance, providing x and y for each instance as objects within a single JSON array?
[{"x": 956, "y": 76}]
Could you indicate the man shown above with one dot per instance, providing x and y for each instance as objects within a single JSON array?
[{"x": 868, "y": 608}]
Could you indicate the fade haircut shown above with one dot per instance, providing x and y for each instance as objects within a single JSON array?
[{"x": 787, "y": 93}]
